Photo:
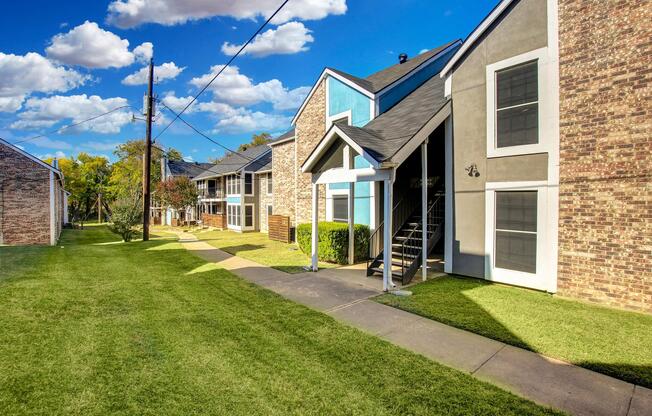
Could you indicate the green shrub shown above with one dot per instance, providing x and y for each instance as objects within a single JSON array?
[
  {"x": 334, "y": 241},
  {"x": 126, "y": 213}
]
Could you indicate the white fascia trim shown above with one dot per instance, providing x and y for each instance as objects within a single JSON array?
[
  {"x": 281, "y": 141},
  {"x": 541, "y": 57},
  {"x": 410, "y": 74},
  {"x": 422, "y": 135},
  {"x": 475, "y": 35},
  {"x": 33, "y": 158},
  {"x": 331, "y": 135},
  {"x": 328, "y": 72},
  {"x": 330, "y": 119},
  {"x": 339, "y": 175},
  {"x": 53, "y": 215}
]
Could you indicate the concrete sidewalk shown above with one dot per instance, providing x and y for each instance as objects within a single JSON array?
[{"x": 546, "y": 381}]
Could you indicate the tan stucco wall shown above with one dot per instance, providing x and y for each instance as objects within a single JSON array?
[{"x": 523, "y": 28}]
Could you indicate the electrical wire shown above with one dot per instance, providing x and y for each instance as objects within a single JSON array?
[{"x": 205, "y": 87}]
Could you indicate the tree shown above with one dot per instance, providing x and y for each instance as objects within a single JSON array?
[
  {"x": 178, "y": 193},
  {"x": 127, "y": 175},
  {"x": 126, "y": 213},
  {"x": 256, "y": 140},
  {"x": 86, "y": 177}
]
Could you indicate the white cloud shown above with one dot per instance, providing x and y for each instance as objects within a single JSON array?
[
  {"x": 244, "y": 120},
  {"x": 101, "y": 146},
  {"x": 50, "y": 144},
  {"x": 90, "y": 46},
  {"x": 235, "y": 88},
  {"x": 130, "y": 13},
  {"x": 177, "y": 103},
  {"x": 144, "y": 52},
  {"x": 188, "y": 159},
  {"x": 287, "y": 39},
  {"x": 58, "y": 155},
  {"x": 21, "y": 75},
  {"x": 48, "y": 111},
  {"x": 168, "y": 70},
  {"x": 423, "y": 51}
]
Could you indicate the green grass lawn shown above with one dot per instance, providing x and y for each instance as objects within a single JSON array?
[
  {"x": 259, "y": 248},
  {"x": 98, "y": 327},
  {"x": 610, "y": 341}
]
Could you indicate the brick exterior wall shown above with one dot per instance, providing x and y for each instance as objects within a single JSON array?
[
  {"x": 263, "y": 200},
  {"x": 25, "y": 208},
  {"x": 605, "y": 228},
  {"x": 310, "y": 129},
  {"x": 284, "y": 180}
]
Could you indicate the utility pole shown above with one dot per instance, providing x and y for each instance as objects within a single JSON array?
[
  {"x": 148, "y": 153},
  {"x": 99, "y": 208}
]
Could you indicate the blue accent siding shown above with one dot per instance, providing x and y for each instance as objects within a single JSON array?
[
  {"x": 362, "y": 204},
  {"x": 233, "y": 200},
  {"x": 405, "y": 88},
  {"x": 342, "y": 98}
]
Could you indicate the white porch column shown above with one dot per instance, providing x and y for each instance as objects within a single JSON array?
[
  {"x": 351, "y": 222},
  {"x": 315, "y": 223},
  {"x": 424, "y": 210},
  {"x": 387, "y": 236},
  {"x": 448, "y": 210}
]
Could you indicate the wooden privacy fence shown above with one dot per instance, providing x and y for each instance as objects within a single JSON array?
[
  {"x": 214, "y": 220},
  {"x": 279, "y": 228}
]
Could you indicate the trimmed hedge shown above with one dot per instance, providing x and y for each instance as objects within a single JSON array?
[{"x": 334, "y": 241}]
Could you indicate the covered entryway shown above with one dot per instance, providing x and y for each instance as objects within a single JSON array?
[{"x": 407, "y": 149}]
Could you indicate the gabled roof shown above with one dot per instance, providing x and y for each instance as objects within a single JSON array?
[
  {"x": 32, "y": 157},
  {"x": 285, "y": 137},
  {"x": 386, "y": 135},
  {"x": 262, "y": 164},
  {"x": 188, "y": 169},
  {"x": 233, "y": 162},
  {"x": 381, "y": 81},
  {"x": 476, "y": 34}
]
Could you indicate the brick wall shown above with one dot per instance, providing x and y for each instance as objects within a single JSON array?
[
  {"x": 263, "y": 200},
  {"x": 25, "y": 187},
  {"x": 283, "y": 166},
  {"x": 605, "y": 230},
  {"x": 310, "y": 129}
]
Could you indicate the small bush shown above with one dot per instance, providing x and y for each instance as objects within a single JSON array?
[
  {"x": 126, "y": 213},
  {"x": 334, "y": 241}
]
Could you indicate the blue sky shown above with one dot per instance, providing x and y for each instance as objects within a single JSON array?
[{"x": 64, "y": 63}]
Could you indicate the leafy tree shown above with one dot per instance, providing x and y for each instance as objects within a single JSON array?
[
  {"x": 86, "y": 177},
  {"x": 127, "y": 174},
  {"x": 177, "y": 193},
  {"x": 256, "y": 140},
  {"x": 126, "y": 213}
]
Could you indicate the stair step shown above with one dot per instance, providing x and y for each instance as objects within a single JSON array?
[{"x": 380, "y": 271}]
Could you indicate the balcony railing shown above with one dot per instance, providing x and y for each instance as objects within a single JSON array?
[{"x": 211, "y": 193}]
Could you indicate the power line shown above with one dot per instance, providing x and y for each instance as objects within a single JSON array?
[
  {"x": 223, "y": 68},
  {"x": 72, "y": 125}
]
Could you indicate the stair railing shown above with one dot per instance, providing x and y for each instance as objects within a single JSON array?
[{"x": 411, "y": 250}]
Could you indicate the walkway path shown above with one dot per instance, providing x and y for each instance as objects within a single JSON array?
[{"x": 344, "y": 295}]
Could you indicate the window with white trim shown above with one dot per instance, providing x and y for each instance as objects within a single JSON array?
[
  {"x": 269, "y": 211},
  {"x": 233, "y": 215},
  {"x": 249, "y": 183},
  {"x": 340, "y": 208},
  {"x": 516, "y": 231},
  {"x": 249, "y": 215},
  {"x": 270, "y": 184},
  {"x": 517, "y": 105}
]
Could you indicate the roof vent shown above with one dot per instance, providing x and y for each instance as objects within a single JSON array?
[{"x": 402, "y": 58}]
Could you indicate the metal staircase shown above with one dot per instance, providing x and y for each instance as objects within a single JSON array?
[{"x": 407, "y": 241}]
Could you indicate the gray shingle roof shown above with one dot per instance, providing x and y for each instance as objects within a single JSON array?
[
  {"x": 261, "y": 164},
  {"x": 288, "y": 134},
  {"x": 189, "y": 169},
  {"x": 376, "y": 82},
  {"x": 385, "y": 135},
  {"x": 234, "y": 162}
]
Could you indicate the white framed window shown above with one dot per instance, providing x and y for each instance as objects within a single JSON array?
[
  {"x": 340, "y": 208},
  {"x": 269, "y": 212},
  {"x": 249, "y": 216},
  {"x": 249, "y": 183},
  {"x": 516, "y": 243},
  {"x": 270, "y": 185},
  {"x": 233, "y": 216},
  {"x": 233, "y": 185},
  {"x": 518, "y": 105}
]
